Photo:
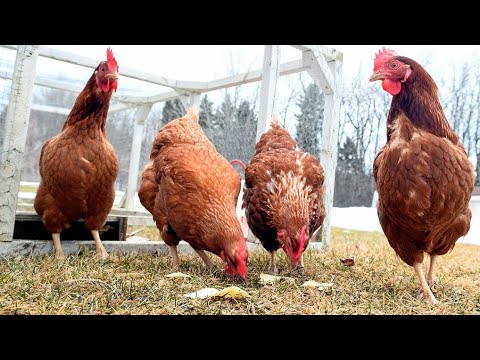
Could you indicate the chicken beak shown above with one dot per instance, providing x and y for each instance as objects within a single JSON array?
[
  {"x": 376, "y": 76},
  {"x": 112, "y": 76}
]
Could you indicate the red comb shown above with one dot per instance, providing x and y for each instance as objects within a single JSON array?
[
  {"x": 381, "y": 57},
  {"x": 112, "y": 63}
]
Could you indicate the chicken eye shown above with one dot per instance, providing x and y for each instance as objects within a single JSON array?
[{"x": 394, "y": 65}]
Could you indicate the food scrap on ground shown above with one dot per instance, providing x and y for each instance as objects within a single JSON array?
[
  {"x": 231, "y": 292},
  {"x": 267, "y": 279},
  {"x": 311, "y": 284},
  {"x": 177, "y": 275},
  {"x": 203, "y": 293}
]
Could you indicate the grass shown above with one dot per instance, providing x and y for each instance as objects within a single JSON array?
[
  {"x": 149, "y": 232},
  {"x": 379, "y": 283},
  {"x": 28, "y": 188}
]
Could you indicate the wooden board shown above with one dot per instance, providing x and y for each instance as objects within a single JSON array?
[{"x": 30, "y": 227}]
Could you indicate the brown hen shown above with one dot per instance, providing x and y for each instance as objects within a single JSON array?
[
  {"x": 423, "y": 176},
  {"x": 283, "y": 195},
  {"x": 191, "y": 191},
  {"x": 78, "y": 167}
]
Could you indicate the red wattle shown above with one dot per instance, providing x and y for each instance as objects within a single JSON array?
[
  {"x": 105, "y": 85},
  {"x": 391, "y": 86}
]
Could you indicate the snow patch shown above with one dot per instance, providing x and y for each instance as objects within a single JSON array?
[
  {"x": 366, "y": 219},
  {"x": 356, "y": 218}
]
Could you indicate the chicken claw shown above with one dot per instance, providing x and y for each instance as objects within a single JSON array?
[
  {"x": 101, "y": 252},
  {"x": 425, "y": 291}
]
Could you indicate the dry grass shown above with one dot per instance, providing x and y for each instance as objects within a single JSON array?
[
  {"x": 379, "y": 283},
  {"x": 28, "y": 188},
  {"x": 149, "y": 232}
]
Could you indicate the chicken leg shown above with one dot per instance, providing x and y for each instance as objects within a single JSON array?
[
  {"x": 100, "y": 249},
  {"x": 57, "y": 246},
  {"x": 205, "y": 258},
  {"x": 425, "y": 289},
  {"x": 173, "y": 252},
  {"x": 273, "y": 266},
  {"x": 433, "y": 259}
]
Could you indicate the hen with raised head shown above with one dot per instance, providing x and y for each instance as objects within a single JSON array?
[
  {"x": 78, "y": 167},
  {"x": 423, "y": 175}
]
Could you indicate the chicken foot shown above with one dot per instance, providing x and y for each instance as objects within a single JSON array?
[
  {"x": 98, "y": 243},
  {"x": 425, "y": 289},
  {"x": 433, "y": 259},
  {"x": 205, "y": 258},
  {"x": 57, "y": 246}
]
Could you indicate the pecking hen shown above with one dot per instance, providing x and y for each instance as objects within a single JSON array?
[
  {"x": 423, "y": 176},
  {"x": 78, "y": 167},
  {"x": 283, "y": 195},
  {"x": 192, "y": 191}
]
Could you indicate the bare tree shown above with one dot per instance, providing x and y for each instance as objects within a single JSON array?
[
  {"x": 475, "y": 143},
  {"x": 458, "y": 102},
  {"x": 363, "y": 112},
  {"x": 293, "y": 82}
]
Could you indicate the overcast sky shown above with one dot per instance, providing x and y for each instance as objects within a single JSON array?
[{"x": 207, "y": 62}]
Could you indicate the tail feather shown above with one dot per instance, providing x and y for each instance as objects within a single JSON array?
[
  {"x": 277, "y": 137},
  {"x": 275, "y": 123}
]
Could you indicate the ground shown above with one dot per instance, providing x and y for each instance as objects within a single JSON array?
[{"x": 378, "y": 283}]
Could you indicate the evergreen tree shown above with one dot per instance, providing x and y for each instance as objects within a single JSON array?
[
  {"x": 244, "y": 131},
  {"x": 310, "y": 119},
  {"x": 244, "y": 114},
  {"x": 173, "y": 109},
  {"x": 348, "y": 157},
  {"x": 226, "y": 113},
  {"x": 353, "y": 187},
  {"x": 206, "y": 119},
  {"x": 222, "y": 131}
]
